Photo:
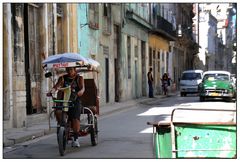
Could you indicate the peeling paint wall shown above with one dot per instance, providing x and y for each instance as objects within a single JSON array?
[
  {"x": 137, "y": 35},
  {"x": 83, "y": 30}
]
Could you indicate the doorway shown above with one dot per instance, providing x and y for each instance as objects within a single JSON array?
[
  {"x": 144, "y": 73},
  {"x": 32, "y": 57},
  {"x": 107, "y": 79},
  {"x": 116, "y": 49}
]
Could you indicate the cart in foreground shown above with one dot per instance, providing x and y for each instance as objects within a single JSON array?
[{"x": 195, "y": 139}]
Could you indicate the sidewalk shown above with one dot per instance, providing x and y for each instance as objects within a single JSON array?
[{"x": 18, "y": 135}]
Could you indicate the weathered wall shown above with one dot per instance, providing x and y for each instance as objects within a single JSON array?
[
  {"x": 7, "y": 67},
  {"x": 44, "y": 54},
  {"x": 19, "y": 88},
  {"x": 83, "y": 30},
  {"x": 137, "y": 34},
  {"x": 161, "y": 47},
  {"x": 89, "y": 45}
]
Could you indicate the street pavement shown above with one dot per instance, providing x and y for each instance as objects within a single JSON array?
[{"x": 18, "y": 135}]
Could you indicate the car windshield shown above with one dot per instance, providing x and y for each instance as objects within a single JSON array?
[
  {"x": 191, "y": 76},
  {"x": 212, "y": 77}
]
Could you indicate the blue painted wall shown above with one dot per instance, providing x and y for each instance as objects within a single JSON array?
[{"x": 83, "y": 29}]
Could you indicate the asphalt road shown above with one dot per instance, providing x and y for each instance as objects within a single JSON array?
[{"x": 123, "y": 134}]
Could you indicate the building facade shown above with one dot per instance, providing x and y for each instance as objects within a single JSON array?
[
  {"x": 127, "y": 39},
  {"x": 134, "y": 50},
  {"x": 163, "y": 31},
  {"x": 185, "y": 47},
  {"x": 217, "y": 25},
  {"x": 32, "y": 32}
]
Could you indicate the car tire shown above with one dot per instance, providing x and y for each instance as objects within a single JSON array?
[
  {"x": 182, "y": 94},
  {"x": 201, "y": 98},
  {"x": 230, "y": 99}
]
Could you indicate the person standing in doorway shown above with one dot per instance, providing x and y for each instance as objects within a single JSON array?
[{"x": 150, "y": 82}]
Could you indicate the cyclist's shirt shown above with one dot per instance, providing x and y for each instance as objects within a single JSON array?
[{"x": 73, "y": 82}]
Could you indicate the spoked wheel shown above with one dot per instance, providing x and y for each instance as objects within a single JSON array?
[
  {"x": 62, "y": 140},
  {"x": 94, "y": 132}
]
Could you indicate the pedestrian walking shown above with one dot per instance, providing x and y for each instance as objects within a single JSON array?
[{"x": 150, "y": 83}]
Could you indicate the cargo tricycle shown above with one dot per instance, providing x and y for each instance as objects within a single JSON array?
[
  {"x": 185, "y": 138},
  {"x": 90, "y": 99}
]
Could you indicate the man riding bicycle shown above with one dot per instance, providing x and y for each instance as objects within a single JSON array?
[{"x": 76, "y": 82}]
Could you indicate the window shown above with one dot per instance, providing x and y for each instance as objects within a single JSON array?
[
  {"x": 129, "y": 56},
  {"x": 162, "y": 10},
  {"x": 106, "y": 18},
  {"x": 59, "y": 10},
  {"x": 163, "y": 55},
  {"x": 106, "y": 51},
  {"x": 154, "y": 54},
  {"x": 158, "y": 56},
  {"x": 191, "y": 76},
  {"x": 213, "y": 77},
  {"x": 136, "y": 52},
  {"x": 60, "y": 42},
  {"x": 150, "y": 56},
  {"x": 105, "y": 9},
  {"x": 93, "y": 16}
]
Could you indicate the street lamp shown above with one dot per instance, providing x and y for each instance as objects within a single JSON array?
[{"x": 180, "y": 30}]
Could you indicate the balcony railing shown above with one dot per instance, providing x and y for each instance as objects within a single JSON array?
[
  {"x": 164, "y": 27},
  {"x": 187, "y": 32}
]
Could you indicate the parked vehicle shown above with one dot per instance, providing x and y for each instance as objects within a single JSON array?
[
  {"x": 217, "y": 84},
  {"x": 189, "y": 81},
  {"x": 234, "y": 79}
]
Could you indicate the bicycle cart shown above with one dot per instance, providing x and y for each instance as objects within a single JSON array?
[
  {"x": 196, "y": 139},
  {"x": 90, "y": 98}
]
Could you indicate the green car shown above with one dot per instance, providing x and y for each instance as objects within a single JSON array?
[{"x": 217, "y": 84}]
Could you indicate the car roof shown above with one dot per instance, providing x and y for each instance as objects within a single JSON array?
[
  {"x": 216, "y": 72},
  {"x": 193, "y": 71}
]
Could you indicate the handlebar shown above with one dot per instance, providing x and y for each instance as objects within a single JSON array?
[{"x": 49, "y": 94}]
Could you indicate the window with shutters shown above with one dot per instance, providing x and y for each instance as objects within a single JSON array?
[{"x": 106, "y": 51}]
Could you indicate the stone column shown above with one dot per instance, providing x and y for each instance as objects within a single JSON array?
[{"x": 19, "y": 79}]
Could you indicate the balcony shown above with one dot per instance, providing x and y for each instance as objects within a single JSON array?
[
  {"x": 137, "y": 19},
  {"x": 187, "y": 32},
  {"x": 164, "y": 28}
]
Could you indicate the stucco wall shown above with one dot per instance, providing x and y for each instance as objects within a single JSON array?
[{"x": 137, "y": 35}]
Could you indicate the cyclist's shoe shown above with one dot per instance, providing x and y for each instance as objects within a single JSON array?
[{"x": 75, "y": 143}]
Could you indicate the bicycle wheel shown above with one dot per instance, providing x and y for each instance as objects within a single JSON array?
[
  {"x": 94, "y": 132},
  {"x": 62, "y": 140}
]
